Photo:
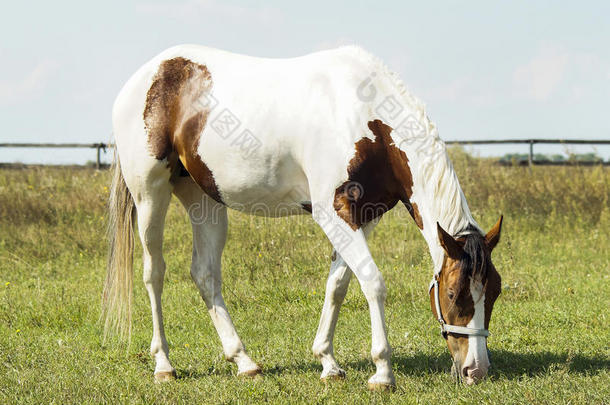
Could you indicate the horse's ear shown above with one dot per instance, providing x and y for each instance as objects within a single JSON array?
[
  {"x": 449, "y": 244},
  {"x": 493, "y": 236}
]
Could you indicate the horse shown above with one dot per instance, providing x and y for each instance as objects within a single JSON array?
[{"x": 333, "y": 134}]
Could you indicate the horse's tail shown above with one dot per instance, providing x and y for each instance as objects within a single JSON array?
[{"x": 117, "y": 297}]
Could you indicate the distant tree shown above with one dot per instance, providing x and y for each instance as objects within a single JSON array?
[
  {"x": 558, "y": 158},
  {"x": 585, "y": 157},
  {"x": 514, "y": 157},
  {"x": 539, "y": 157}
]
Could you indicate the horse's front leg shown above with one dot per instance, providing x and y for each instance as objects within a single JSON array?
[
  {"x": 336, "y": 288},
  {"x": 351, "y": 245}
]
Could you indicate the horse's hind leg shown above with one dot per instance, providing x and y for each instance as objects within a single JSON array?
[
  {"x": 151, "y": 191},
  {"x": 209, "y": 221}
]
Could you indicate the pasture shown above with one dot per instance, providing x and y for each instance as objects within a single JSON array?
[{"x": 550, "y": 334}]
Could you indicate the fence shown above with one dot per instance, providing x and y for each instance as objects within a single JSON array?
[
  {"x": 531, "y": 142},
  {"x": 98, "y": 146}
]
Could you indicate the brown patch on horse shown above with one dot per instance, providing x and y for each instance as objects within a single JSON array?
[
  {"x": 306, "y": 207},
  {"x": 493, "y": 288},
  {"x": 456, "y": 302},
  {"x": 378, "y": 177},
  {"x": 493, "y": 285},
  {"x": 414, "y": 211},
  {"x": 455, "y": 299},
  {"x": 460, "y": 308},
  {"x": 174, "y": 117}
]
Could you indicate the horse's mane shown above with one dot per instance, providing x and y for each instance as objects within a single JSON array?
[{"x": 435, "y": 170}]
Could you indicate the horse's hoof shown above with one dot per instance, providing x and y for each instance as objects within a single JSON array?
[
  {"x": 253, "y": 373},
  {"x": 335, "y": 375},
  {"x": 165, "y": 376},
  {"x": 382, "y": 387}
]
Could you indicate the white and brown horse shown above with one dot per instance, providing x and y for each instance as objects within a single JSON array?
[{"x": 334, "y": 134}]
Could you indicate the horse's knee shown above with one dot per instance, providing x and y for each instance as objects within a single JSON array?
[
  {"x": 375, "y": 288},
  {"x": 337, "y": 288}
]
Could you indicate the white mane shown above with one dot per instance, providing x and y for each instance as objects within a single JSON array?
[{"x": 435, "y": 172}]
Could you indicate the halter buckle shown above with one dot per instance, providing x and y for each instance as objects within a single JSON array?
[{"x": 444, "y": 332}]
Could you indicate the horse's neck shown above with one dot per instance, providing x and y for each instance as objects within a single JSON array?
[{"x": 436, "y": 190}]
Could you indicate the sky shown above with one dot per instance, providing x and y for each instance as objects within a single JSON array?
[{"x": 485, "y": 69}]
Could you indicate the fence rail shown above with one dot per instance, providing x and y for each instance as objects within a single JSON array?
[
  {"x": 531, "y": 142},
  {"x": 98, "y": 146}
]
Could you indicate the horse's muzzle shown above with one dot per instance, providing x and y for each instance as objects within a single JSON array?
[{"x": 473, "y": 375}]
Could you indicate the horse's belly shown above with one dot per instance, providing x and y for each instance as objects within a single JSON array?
[
  {"x": 268, "y": 202},
  {"x": 270, "y": 205},
  {"x": 271, "y": 190}
]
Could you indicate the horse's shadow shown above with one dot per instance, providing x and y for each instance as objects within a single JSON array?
[
  {"x": 505, "y": 364},
  {"x": 512, "y": 365}
]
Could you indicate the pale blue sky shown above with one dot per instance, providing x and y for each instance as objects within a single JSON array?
[{"x": 485, "y": 69}]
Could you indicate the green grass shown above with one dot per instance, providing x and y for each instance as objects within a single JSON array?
[{"x": 550, "y": 334}]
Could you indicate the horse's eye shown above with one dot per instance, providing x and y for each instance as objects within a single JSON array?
[{"x": 450, "y": 295}]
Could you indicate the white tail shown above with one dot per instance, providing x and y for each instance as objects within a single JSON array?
[{"x": 117, "y": 297}]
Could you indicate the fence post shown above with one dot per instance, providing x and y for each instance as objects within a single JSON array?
[
  {"x": 531, "y": 155},
  {"x": 97, "y": 162}
]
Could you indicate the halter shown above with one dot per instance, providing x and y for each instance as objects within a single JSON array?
[{"x": 445, "y": 327}]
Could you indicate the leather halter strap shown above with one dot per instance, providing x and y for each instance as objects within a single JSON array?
[{"x": 445, "y": 327}]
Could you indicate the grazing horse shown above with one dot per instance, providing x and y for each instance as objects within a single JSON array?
[{"x": 333, "y": 134}]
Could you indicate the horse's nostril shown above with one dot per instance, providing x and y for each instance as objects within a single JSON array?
[
  {"x": 472, "y": 375},
  {"x": 465, "y": 371},
  {"x": 467, "y": 376}
]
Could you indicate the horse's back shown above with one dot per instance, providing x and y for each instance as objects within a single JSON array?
[{"x": 264, "y": 128}]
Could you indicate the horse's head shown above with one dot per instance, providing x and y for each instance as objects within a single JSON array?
[{"x": 465, "y": 291}]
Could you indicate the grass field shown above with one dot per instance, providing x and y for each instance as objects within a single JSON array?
[{"x": 550, "y": 329}]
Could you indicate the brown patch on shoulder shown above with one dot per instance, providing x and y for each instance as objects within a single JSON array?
[
  {"x": 378, "y": 177},
  {"x": 174, "y": 117}
]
